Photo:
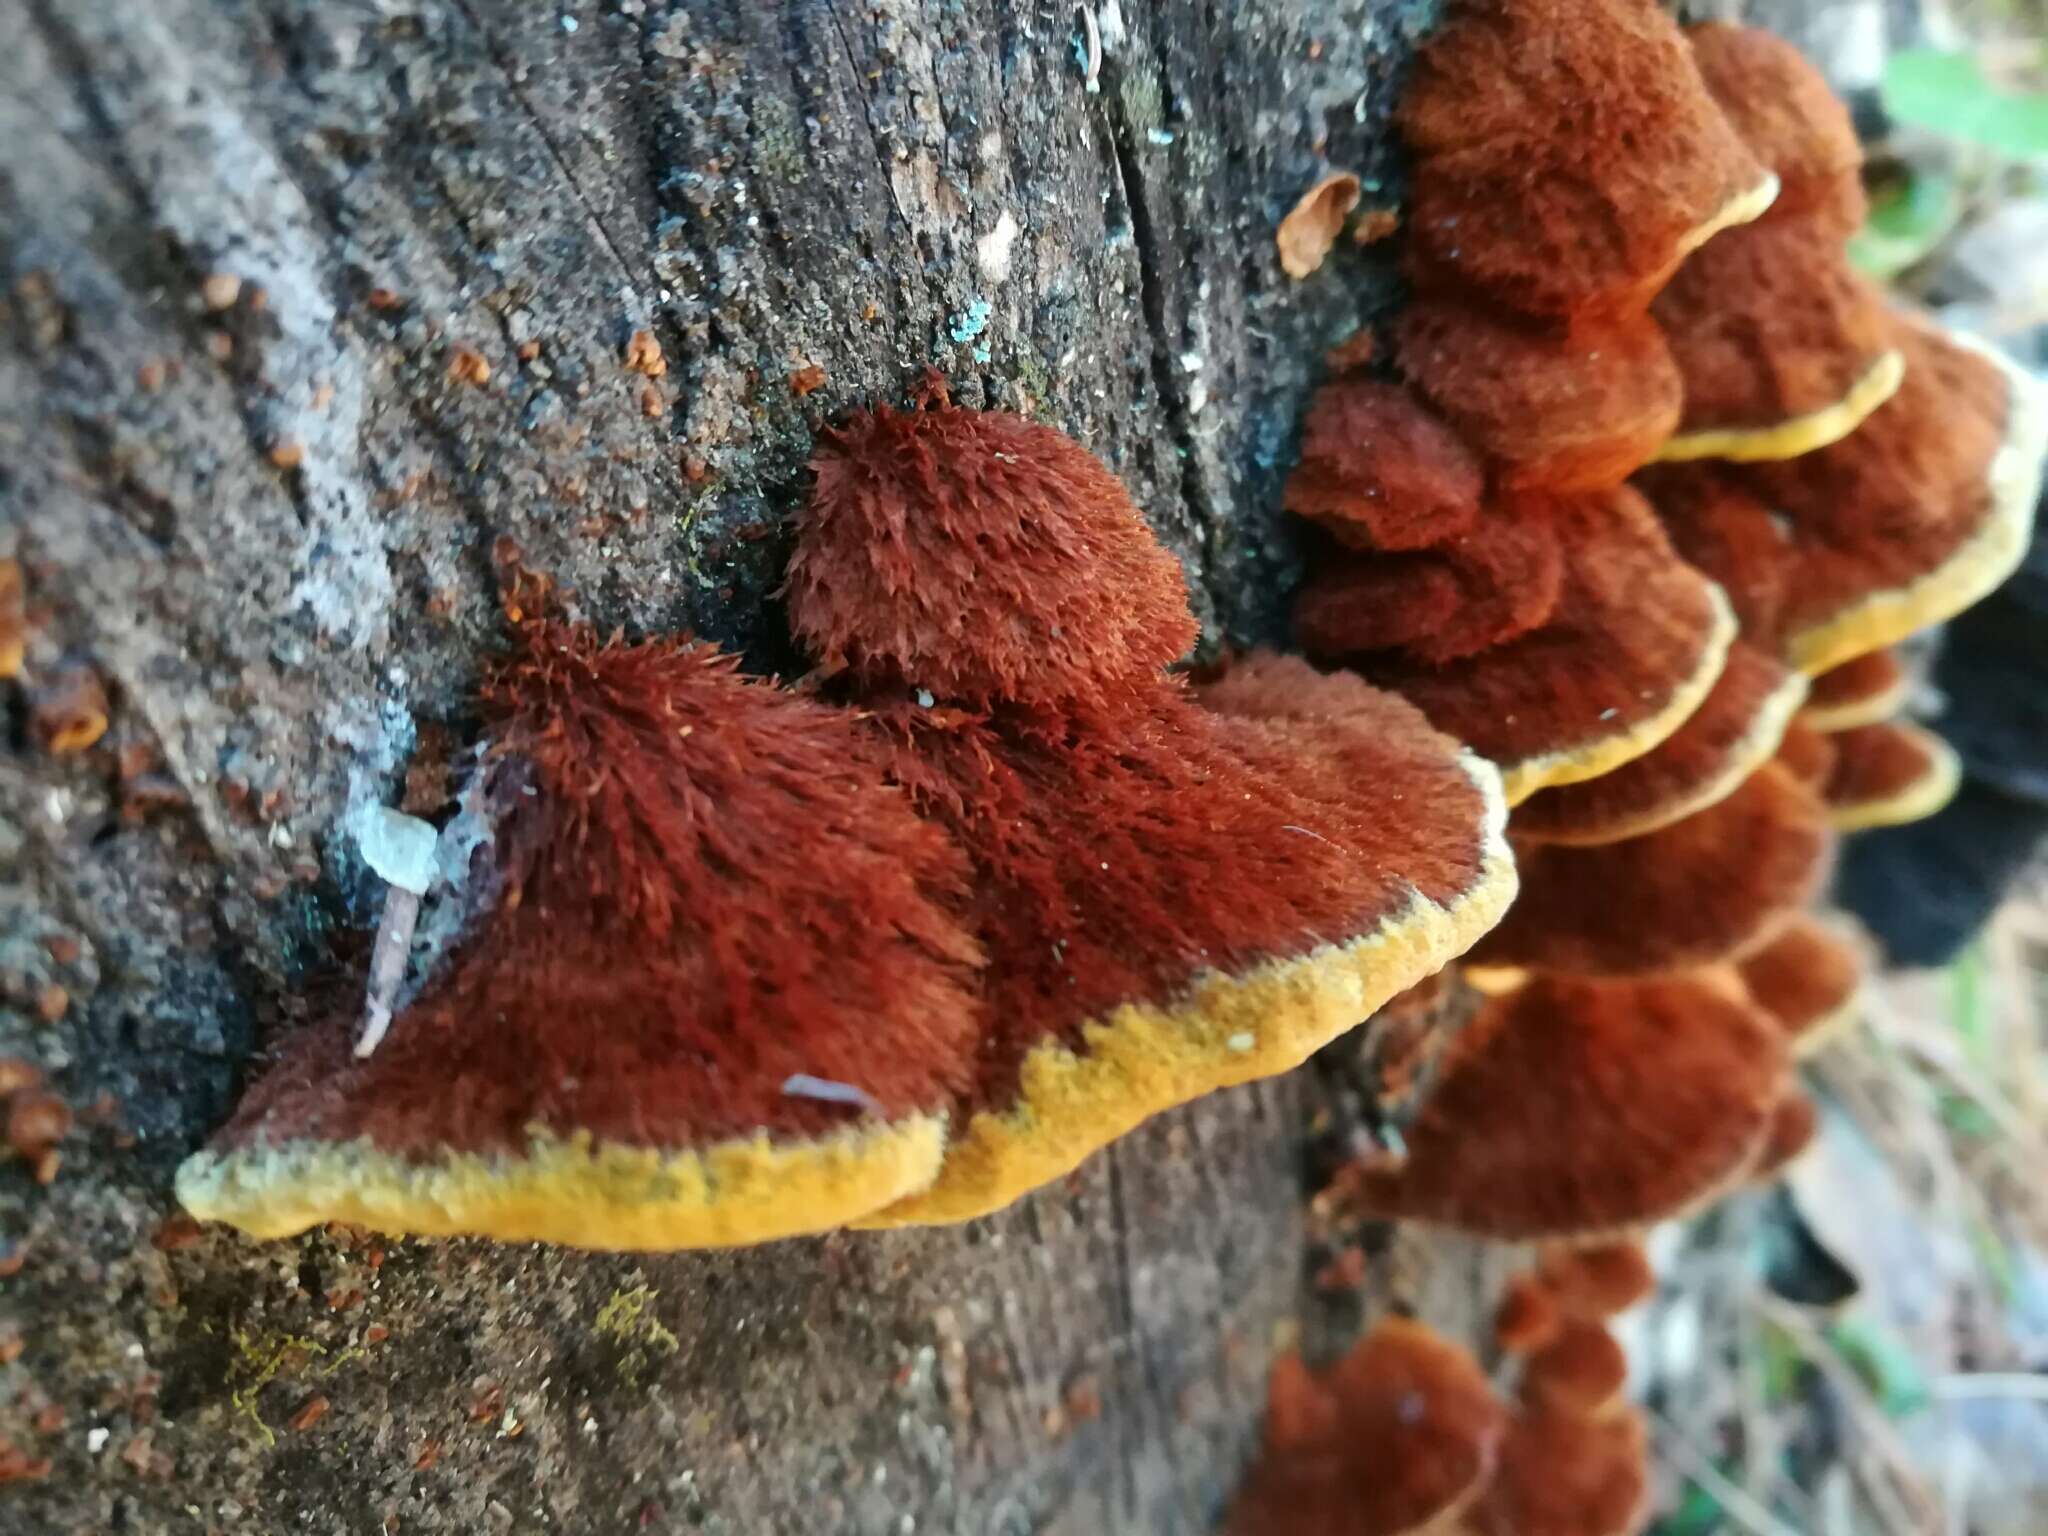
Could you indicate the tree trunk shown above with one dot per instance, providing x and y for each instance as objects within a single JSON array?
[{"x": 307, "y": 307}]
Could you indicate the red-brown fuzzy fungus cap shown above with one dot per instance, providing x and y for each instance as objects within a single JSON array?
[
  {"x": 1399, "y": 1436},
  {"x": 1706, "y": 889},
  {"x": 1807, "y": 979},
  {"x": 1564, "y": 1475},
  {"x": 1888, "y": 774},
  {"x": 1567, "y": 155},
  {"x": 1782, "y": 345},
  {"x": 1571, "y": 1109},
  {"x": 1632, "y": 648},
  {"x": 1379, "y": 471},
  {"x": 1699, "y": 765},
  {"x": 1175, "y": 898},
  {"x": 1583, "y": 1370},
  {"x": 1782, "y": 109},
  {"x": 1598, "y": 1280},
  {"x": 1808, "y": 755},
  {"x": 981, "y": 556},
  {"x": 1554, "y": 407},
  {"x": 706, "y": 900},
  {"x": 1915, "y": 515},
  {"x": 1478, "y": 589},
  {"x": 1527, "y": 1317},
  {"x": 1724, "y": 532},
  {"x": 1861, "y": 691},
  {"x": 1794, "y": 1124}
]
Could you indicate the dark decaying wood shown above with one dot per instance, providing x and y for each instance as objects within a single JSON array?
[{"x": 306, "y": 307}]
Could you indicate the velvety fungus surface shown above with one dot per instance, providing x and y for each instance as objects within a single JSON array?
[
  {"x": 1393, "y": 1440},
  {"x": 981, "y": 556},
  {"x": 1783, "y": 110},
  {"x": 1562, "y": 1474},
  {"x": 1861, "y": 691},
  {"x": 1178, "y": 896},
  {"x": 1706, "y": 889},
  {"x": 1808, "y": 755},
  {"x": 1794, "y": 1124},
  {"x": 1807, "y": 979},
  {"x": 1598, "y": 1280},
  {"x": 1554, "y": 406},
  {"x": 1888, "y": 774},
  {"x": 1576, "y": 1109},
  {"x": 1582, "y": 1370},
  {"x": 1738, "y": 727},
  {"x": 1527, "y": 1316},
  {"x": 1633, "y": 646},
  {"x": 703, "y": 890},
  {"x": 1378, "y": 470},
  {"x": 1782, "y": 345},
  {"x": 1567, "y": 154},
  {"x": 1917, "y": 514},
  {"x": 1478, "y": 589}
]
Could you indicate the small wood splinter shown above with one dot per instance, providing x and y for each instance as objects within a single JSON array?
[{"x": 400, "y": 848}]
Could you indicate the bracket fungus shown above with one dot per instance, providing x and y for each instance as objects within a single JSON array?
[
  {"x": 1807, "y": 754},
  {"x": 1700, "y": 891},
  {"x": 1475, "y": 590},
  {"x": 1394, "y": 1440},
  {"x": 1707, "y": 759},
  {"x": 1555, "y": 410},
  {"x": 1794, "y": 1123},
  {"x": 1379, "y": 471},
  {"x": 980, "y": 556},
  {"x": 1582, "y": 1370},
  {"x": 1577, "y": 1110},
  {"x": 1527, "y": 1316},
  {"x": 1632, "y": 647},
  {"x": 703, "y": 889},
  {"x": 1782, "y": 109},
  {"x": 1807, "y": 979},
  {"x": 1783, "y": 347},
  {"x": 1565, "y": 1474},
  {"x": 1567, "y": 155},
  {"x": 1861, "y": 691},
  {"x": 1903, "y": 523},
  {"x": 1173, "y": 895},
  {"x": 1597, "y": 1280},
  {"x": 1888, "y": 774}
]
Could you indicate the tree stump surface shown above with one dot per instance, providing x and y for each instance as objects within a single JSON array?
[{"x": 307, "y": 307}]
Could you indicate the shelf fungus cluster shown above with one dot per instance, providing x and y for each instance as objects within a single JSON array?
[
  {"x": 901, "y": 946},
  {"x": 1654, "y": 483},
  {"x": 1652, "y": 486},
  {"x": 1575, "y": 1455},
  {"x": 1401, "y": 1437}
]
